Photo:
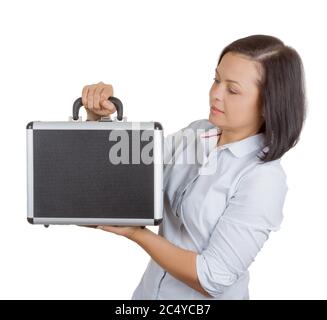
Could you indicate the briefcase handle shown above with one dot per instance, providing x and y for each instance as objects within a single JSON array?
[{"x": 118, "y": 104}]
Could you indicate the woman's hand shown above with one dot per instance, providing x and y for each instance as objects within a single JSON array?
[
  {"x": 95, "y": 100},
  {"x": 128, "y": 232}
]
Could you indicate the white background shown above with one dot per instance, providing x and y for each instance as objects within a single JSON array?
[{"x": 160, "y": 57}]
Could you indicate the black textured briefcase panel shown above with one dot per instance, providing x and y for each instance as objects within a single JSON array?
[{"x": 74, "y": 178}]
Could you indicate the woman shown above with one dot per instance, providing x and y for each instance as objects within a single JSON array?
[{"x": 217, "y": 215}]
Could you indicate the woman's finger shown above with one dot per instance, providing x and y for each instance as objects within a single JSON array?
[
  {"x": 96, "y": 97},
  {"x": 84, "y": 96},
  {"x": 90, "y": 98},
  {"x": 104, "y": 102}
]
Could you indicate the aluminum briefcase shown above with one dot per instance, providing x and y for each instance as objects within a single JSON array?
[{"x": 106, "y": 172}]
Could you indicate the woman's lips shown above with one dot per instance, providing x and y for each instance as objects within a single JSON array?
[{"x": 215, "y": 110}]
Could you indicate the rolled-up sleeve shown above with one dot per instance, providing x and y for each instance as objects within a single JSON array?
[{"x": 253, "y": 211}]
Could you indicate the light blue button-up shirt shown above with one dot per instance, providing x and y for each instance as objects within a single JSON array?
[{"x": 221, "y": 204}]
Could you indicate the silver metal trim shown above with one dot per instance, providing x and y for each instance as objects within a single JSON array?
[
  {"x": 158, "y": 173},
  {"x": 30, "y": 182},
  {"x": 94, "y": 221},
  {"x": 91, "y": 125}
]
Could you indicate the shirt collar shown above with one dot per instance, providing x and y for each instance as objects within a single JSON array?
[
  {"x": 238, "y": 148},
  {"x": 245, "y": 146}
]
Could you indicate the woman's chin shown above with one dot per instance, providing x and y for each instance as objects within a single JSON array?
[{"x": 214, "y": 120}]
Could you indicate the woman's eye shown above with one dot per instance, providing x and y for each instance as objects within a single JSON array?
[{"x": 229, "y": 90}]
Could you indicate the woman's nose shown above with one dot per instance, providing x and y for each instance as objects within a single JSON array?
[{"x": 217, "y": 93}]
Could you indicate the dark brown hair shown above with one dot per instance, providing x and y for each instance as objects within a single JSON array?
[{"x": 282, "y": 90}]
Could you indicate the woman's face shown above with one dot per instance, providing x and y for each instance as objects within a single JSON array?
[{"x": 234, "y": 95}]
